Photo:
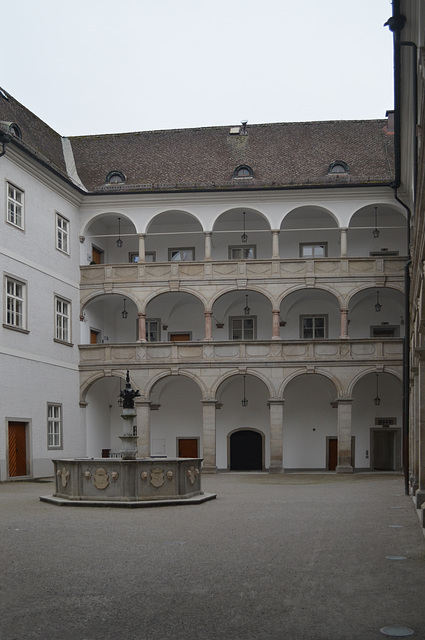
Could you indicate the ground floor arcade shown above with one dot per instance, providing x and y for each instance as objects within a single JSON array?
[{"x": 254, "y": 419}]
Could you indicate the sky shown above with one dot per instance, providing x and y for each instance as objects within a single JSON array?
[{"x": 105, "y": 66}]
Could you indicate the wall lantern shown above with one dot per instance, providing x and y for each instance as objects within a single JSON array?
[
  {"x": 244, "y": 237},
  {"x": 377, "y": 400},
  {"x": 376, "y": 230},
  {"x": 244, "y": 401},
  {"x": 246, "y": 310},
  {"x": 378, "y": 305},
  {"x": 119, "y": 241},
  {"x": 124, "y": 312}
]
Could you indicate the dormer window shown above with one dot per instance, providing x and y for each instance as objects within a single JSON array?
[
  {"x": 339, "y": 166},
  {"x": 115, "y": 177},
  {"x": 243, "y": 171}
]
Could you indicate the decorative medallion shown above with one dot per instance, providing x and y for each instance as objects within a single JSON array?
[
  {"x": 157, "y": 477},
  {"x": 114, "y": 475},
  {"x": 144, "y": 475},
  {"x": 65, "y": 476},
  {"x": 170, "y": 474},
  {"x": 101, "y": 478},
  {"x": 87, "y": 475}
]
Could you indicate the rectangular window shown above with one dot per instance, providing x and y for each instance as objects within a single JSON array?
[
  {"x": 62, "y": 234},
  {"x": 313, "y": 249},
  {"x": 153, "y": 329},
  {"x": 150, "y": 256},
  {"x": 385, "y": 331},
  {"x": 62, "y": 320},
  {"x": 54, "y": 426},
  {"x": 133, "y": 257},
  {"x": 243, "y": 328},
  {"x": 183, "y": 254},
  {"x": 313, "y": 327},
  {"x": 15, "y": 206},
  {"x": 15, "y": 303},
  {"x": 243, "y": 252}
]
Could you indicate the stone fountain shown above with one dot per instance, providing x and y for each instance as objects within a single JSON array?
[{"x": 128, "y": 481}]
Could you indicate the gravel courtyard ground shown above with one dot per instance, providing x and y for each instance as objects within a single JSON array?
[{"x": 296, "y": 556}]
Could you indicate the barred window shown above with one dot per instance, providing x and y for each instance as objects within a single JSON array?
[{"x": 15, "y": 206}]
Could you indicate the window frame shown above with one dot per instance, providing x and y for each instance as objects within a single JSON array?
[
  {"x": 232, "y": 319},
  {"x": 242, "y": 247},
  {"x": 54, "y": 426},
  {"x": 148, "y": 321},
  {"x": 65, "y": 325},
  {"x": 18, "y": 300},
  {"x": 376, "y": 328},
  {"x": 303, "y": 245},
  {"x": 180, "y": 249},
  {"x": 62, "y": 234},
  {"x": 314, "y": 316},
  {"x": 11, "y": 202}
]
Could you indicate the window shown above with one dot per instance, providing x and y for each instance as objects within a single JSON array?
[
  {"x": 15, "y": 206},
  {"x": 385, "y": 331},
  {"x": 115, "y": 177},
  {"x": 133, "y": 257},
  {"x": 243, "y": 328},
  {"x": 181, "y": 254},
  {"x": 313, "y": 327},
  {"x": 153, "y": 329},
  {"x": 339, "y": 166},
  {"x": 15, "y": 303},
  {"x": 243, "y": 171},
  {"x": 62, "y": 320},
  {"x": 54, "y": 426},
  {"x": 243, "y": 252},
  {"x": 62, "y": 233},
  {"x": 150, "y": 256},
  {"x": 313, "y": 249}
]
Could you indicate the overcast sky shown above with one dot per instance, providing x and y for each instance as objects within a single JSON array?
[{"x": 105, "y": 66}]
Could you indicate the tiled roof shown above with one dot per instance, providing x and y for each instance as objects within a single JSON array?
[
  {"x": 37, "y": 137},
  {"x": 285, "y": 155}
]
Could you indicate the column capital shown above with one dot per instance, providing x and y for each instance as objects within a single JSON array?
[
  {"x": 344, "y": 401},
  {"x": 276, "y": 401},
  {"x": 208, "y": 402}
]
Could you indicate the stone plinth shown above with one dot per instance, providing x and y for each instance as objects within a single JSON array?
[{"x": 116, "y": 480}]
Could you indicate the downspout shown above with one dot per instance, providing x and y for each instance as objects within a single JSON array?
[
  {"x": 4, "y": 139},
  {"x": 396, "y": 24}
]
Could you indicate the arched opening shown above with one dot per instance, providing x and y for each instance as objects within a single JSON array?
[
  {"x": 241, "y": 234},
  {"x": 175, "y": 317},
  {"x": 174, "y": 236},
  {"x": 109, "y": 319},
  {"x": 377, "y": 231},
  {"x": 310, "y": 232},
  {"x": 246, "y": 450},
  {"x": 242, "y": 315},
  {"x": 310, "y": 314},
  {"x": 376, "y": 313},
  {"x": 109, "y": 239}
]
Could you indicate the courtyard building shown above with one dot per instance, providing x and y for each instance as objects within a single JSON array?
[{"x": 250, "y": 278}]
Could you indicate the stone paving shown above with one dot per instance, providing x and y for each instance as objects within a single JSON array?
[{"x": 296, "y": 556}]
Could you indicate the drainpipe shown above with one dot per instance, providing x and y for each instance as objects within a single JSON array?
[
  {"x": 4, "y": 139},
  {"x": 396, "y": 24}
]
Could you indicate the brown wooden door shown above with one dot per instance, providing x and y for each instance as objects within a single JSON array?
[
  {"x": 188, "y": 448},
  {"x": 332, "y": 454},
  {"x": 17, "y": 449},
  {"x": 93, "y": 336},
  {"x": 96, "y": 255},
  {"x": 180, "y": 337}
]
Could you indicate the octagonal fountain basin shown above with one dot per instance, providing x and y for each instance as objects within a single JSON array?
[{"x": 114, "y": 482}]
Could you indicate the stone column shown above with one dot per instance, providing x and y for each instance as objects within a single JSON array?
[
  {"x": 141, "y": 317},
  {"x": 143, "y": 428},
  {"x": 208, "y": 235},
  {"x": 209, "y": 436},
  {"x": 275, "y": 244},
  {"x": 142, "y": 255},
  {"x": 276, "y": 435},
  {"x": 344, "y": 323},
  {"x": 420, "y": 493},
  {"x": 276, "y": 325},
  {"x": 208, "y": 325},
  {"x": 343, "y": 238},
  {"x": 344, "y": 436}
]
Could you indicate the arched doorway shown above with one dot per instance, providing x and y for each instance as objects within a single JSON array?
[{"x": 246, "y": 450}]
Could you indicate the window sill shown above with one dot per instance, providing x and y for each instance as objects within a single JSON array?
[
  {"x": 13, "y": 328},
  {"x": 67, "y": 344}
]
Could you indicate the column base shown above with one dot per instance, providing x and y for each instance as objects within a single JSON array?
[
  {"x": 276, "y": 469},
  {"x": 419, "y": 498},
  {"x": 209, "y": 469},
  {"x": 344, "y": 468}
]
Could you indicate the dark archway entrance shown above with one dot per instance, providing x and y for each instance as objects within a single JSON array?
[{"x": 246, "y": 451}]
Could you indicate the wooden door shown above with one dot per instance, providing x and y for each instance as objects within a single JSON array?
[
  {"x": 94, "y": 335},
  {"x": 188, "y": 447},
  {"x": 180, "y": 337},
  {"x": 384, "y": 450},
  {"x": 17, "y": 449},
  {"x": 96, "y": 255},
  {"x": 332, "y": 453}
]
